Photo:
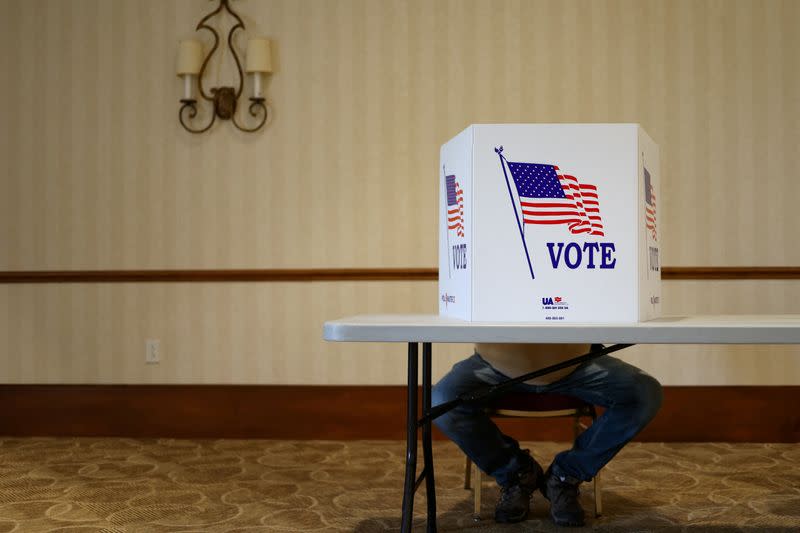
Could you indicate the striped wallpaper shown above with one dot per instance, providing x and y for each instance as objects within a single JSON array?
[{"x": 98, "y": 174}]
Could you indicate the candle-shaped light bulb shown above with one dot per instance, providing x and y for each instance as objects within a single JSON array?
[
  {"x": 187, "y": 86},
  {"x": 257, "y": 84}
]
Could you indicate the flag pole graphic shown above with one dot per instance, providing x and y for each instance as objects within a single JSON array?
[
  {"x": 446, "y": 224},
  {"x": 514, "y": 207},
  {"x": 644, "y": 185}
]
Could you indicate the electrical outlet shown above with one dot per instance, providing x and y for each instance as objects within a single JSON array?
[{"x": 152, "y": 351}]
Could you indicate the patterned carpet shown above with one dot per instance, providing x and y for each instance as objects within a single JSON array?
[{"x": 116, "y": 485}]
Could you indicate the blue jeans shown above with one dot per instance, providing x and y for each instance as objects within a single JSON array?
[{"x": 631, "y": 398}]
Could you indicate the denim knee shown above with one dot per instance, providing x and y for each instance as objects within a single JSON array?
[
  {"x": 649, "y": 395},
  {"x": 440, "y": 395}
]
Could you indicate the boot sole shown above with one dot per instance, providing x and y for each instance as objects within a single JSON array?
[
  {"x": 567, "y": 523},
  {"x": 505, "y": 519}
]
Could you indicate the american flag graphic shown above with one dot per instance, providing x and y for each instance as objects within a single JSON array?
[
  {"x": 549, "y": 197},
  {"x": 455, "y": 205},
  {"x": 650, "y": 208}
]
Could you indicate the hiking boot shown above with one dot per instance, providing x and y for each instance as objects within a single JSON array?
[
  {"x": 515, "y": 498},
  {"x": 562, "y": 492}
]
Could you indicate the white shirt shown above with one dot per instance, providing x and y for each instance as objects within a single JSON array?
[{"x": 517, "y": 359}]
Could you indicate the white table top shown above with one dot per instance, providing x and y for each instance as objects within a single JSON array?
[{"x": 720, "y": 329}]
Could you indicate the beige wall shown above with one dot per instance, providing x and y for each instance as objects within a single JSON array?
[{"x": 97, "y": 174}]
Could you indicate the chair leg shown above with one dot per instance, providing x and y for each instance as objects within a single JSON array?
[
  {"x": 476, "y": 491},
  {"x": 468, "y": 474},
  {"x": 598, "y": 497}
]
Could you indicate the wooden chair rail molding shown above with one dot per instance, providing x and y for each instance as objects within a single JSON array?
[
  {"x": 341, "y": 274},
  {"x": 344, "y": 274}
]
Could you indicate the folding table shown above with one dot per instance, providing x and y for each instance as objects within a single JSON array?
[{"x": 428, "y": 329}]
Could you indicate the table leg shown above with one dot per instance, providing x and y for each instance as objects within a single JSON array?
[
  {"x": 427, "y": 448},
  {"x": 411, "y": 440}
]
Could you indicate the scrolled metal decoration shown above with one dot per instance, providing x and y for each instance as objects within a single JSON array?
[
  {"x": 191, "y": 105},
  {"x": 257, "y": 107},
  {"x": 223, "y": 99}
]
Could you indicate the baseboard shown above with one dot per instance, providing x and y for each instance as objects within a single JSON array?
[{"x": 689, "y": 414}]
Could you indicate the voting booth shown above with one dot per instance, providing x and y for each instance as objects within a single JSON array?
[{"x": 550, "y": 223}]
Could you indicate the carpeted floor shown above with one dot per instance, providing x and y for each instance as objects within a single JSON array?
[{"x": 110, "y": 485}]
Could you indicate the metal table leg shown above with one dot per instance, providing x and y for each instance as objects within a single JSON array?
[
  {"x": 427, "y": 448},
  {"x": 411, "y": 440}
]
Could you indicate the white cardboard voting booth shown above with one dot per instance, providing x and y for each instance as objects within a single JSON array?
[{"x": 549, "y": 223}]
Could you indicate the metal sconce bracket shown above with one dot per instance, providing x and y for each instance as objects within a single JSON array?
[{"x": 224, "y": 99}]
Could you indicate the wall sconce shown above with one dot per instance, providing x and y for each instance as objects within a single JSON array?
[{"x": 191, "y": 64}]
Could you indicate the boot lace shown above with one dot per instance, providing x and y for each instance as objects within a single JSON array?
[
  {"x": 509, "y": 494},
  {"x": 566, "y": 494}
]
